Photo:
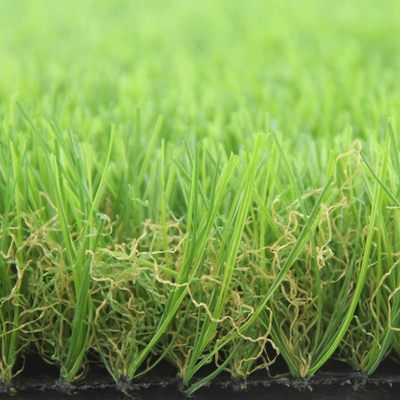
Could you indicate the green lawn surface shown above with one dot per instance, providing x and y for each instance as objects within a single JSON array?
[{"x": 200, "y": 182}]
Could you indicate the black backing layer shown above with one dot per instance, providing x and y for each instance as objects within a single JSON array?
[{"x": 335, "y": 381}]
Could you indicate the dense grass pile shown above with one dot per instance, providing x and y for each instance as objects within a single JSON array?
[{"x": 199, "y": 182}]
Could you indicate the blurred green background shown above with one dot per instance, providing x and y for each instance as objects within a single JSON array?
[{"x": 314, "y": 67}]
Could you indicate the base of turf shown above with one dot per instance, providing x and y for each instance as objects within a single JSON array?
[
  {"x": 343, "y": 390},
  {"x": 336, "y": 381}
]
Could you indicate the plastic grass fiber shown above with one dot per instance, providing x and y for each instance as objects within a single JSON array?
[{"x": 199, "y": 182}]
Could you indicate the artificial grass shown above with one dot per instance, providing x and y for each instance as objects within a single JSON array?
[{"x": 200, "y": 183}]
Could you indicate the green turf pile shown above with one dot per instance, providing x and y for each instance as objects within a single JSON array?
[{"x": 199, "y": 182}]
